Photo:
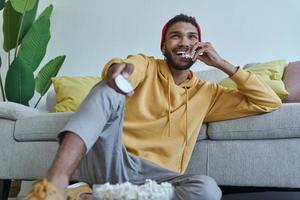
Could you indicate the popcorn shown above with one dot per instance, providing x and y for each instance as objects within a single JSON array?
[{"x": 127, "y": 191}]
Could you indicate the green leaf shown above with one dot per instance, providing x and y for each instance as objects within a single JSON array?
[
  {"x": 21, "y": 6},
  {"x": 19, "y": 83},
  {"x": 43, "y": 79},
  {"x": 2, "y": 4},
  {"x": 11, "y": 25},
  {"x": 34, "y": 44},
  {"x": 47, "y": 12},
  {"x": 28, "y": 21}
]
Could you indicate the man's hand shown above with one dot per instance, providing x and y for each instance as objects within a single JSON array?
[
  {"x": 206, "y": 53},
  {"x": 119, "y": 68}
]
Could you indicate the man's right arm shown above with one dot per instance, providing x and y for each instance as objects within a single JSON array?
[
  {"x": 133, "y": 68},
  {"x": 114, "y": 70}
]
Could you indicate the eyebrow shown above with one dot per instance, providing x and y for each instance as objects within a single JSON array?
[
  {"x": 176, "y": 32},
  {"x": 193, "y": 33}
]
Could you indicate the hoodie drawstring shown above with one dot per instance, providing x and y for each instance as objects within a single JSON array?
[
  {"x": 186, "y": 112},
  {"x": 186, "y": 115}
]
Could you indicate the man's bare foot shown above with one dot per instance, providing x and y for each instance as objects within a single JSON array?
[
  {"x": 60, "y": 184},
  {"x": 43, "y": 189}
]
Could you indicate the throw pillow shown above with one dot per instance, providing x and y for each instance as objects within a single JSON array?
[
  {"x": 71, "y": 91},
  {"x": 292, "y": 83},
  {"x": 270, "y": 72},
  {"x": 14, "y": 111}
]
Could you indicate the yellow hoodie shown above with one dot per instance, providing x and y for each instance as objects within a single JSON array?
[{"x": 162, "y": 119}]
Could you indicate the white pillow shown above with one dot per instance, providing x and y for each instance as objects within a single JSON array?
[{"x": 14, "y": 111}]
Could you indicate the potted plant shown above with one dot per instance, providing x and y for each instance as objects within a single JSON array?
[{"x": 25, "y": 41}]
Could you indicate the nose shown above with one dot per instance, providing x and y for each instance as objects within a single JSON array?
[{"x": 184, "y": 40}]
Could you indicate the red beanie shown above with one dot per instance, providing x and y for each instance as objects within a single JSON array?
[{"x": 164, "y": 31}]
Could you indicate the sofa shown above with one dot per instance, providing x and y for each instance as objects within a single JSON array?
[{"x": 255, "y": 151}]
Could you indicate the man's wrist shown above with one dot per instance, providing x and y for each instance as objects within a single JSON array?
[{"x": 228, "y": 68}]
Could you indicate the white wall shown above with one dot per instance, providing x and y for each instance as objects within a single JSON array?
[{"x": 91, "y": 32}]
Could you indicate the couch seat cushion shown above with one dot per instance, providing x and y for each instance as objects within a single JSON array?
[
  {"x": 44, "y": 127},
  {"x": 203, "y": 133},
  {"x": 282, "y": 123}
]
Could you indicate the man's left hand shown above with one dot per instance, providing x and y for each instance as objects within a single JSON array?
[{"x": 205, "y": 52}]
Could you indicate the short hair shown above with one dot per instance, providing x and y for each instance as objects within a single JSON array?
[{"x": 179, "y": 18}]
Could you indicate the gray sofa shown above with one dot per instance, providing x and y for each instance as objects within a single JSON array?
[{"x": 259, "y": 151}]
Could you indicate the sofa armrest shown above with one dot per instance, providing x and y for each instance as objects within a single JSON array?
[
  {"x": 282, "y": 123},
  {"x": 15, "y": 111},
  {"x": 43, "y": 127}
]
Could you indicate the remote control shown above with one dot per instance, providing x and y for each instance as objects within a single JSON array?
[{"x": 123, "y": 84}]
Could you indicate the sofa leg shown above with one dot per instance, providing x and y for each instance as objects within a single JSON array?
[{"x": 4, "y": 188}]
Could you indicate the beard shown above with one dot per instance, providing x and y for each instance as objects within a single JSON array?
[{"x": 172, "y": 63}]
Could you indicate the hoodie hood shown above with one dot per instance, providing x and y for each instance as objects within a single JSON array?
[{"x": 166, "y": 73}]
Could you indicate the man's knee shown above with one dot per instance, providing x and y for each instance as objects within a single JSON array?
[
  {"x": 108, "y": 94},
  {"x": 208, "y": 188},
  {"x": 105, "y": 89},
  {"x": 194, "y": 187}
]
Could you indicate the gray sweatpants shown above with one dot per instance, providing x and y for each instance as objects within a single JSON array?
[{"x": 98, "y": 122}]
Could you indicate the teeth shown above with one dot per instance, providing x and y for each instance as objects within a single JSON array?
[{"x": 184, "y": 54}]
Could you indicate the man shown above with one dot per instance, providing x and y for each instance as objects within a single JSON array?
[{"x": 162, "y": 118}]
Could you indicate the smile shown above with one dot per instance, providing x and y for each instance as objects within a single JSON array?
[{"x": 183, "y": 54}]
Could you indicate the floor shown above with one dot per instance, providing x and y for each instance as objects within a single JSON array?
[
  {"x": 278, "y": 195},
  {"x": 253, "y": 196},
  {"x": 264, "y": 196}
]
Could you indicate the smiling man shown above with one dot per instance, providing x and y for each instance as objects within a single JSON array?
[
  {"x": 180, "y": 37},
  {"x": 150, "y": 133}
]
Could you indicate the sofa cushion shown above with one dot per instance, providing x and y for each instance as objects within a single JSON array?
[
  {"x": 44, "y": 127},
  {"x": 270, "y": 72},
  {"x": 14, "y": 111},
  {"x": 282, "y": 123},
  {"x": 50, "y": 100},
  {"x": 211, "y": 75},
  {"x": 292, "y": 83},
  {"x": 71, "y": 91},
  {"x": 203, "y": 133}
]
